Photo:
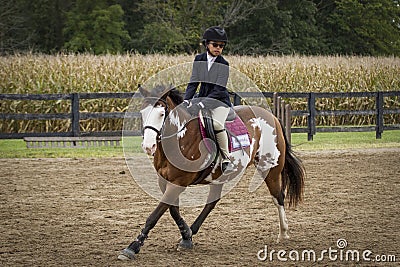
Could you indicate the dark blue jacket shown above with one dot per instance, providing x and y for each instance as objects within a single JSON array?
[{"x": 213, "y": 82}]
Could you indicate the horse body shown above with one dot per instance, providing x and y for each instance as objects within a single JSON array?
[{"x": 180, "y": 158}]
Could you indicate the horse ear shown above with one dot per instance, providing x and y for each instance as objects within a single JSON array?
[
  {"x": 166, "y": 91},
  {"x": 144, "y": 92}
]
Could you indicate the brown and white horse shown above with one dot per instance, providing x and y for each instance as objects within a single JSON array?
[{"x": 168, "y": 129}]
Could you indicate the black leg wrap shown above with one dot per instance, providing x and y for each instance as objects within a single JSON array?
[
  {"x": 139, "y": 242},
  {"x": 184, "y": 229}
]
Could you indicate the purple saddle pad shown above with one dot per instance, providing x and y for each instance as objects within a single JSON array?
[{"x": 239, "y": 136}]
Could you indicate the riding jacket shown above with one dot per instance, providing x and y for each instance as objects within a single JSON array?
[{"x": 213, "y": 81}]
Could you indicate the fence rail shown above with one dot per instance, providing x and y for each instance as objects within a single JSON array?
[
  {"x": 281, "y": 108},
  {"x": 312, "y": 112}
]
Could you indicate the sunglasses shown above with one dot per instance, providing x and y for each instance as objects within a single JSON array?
[{"x": 216, "y": 45}]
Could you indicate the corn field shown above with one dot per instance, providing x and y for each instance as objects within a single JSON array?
[{"x": 66, "y": 73}]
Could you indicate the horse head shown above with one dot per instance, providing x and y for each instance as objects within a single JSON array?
[{"x": 157, "y": 104}]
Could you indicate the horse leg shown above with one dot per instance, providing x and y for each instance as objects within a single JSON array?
[
  {"x": 274, "y": 183},
  {"x": 213, "y": 197},
  {"x": 186, "y": 232},
  {"x": 170, "y": 195}
]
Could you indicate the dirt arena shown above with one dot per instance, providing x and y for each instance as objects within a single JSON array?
[{"x": 82, "y": 212}]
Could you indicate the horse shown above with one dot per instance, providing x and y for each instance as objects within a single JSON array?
[{"x": 279, "y": 168}]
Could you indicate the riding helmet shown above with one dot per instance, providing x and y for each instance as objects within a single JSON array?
[{"x": 215, "y": 33}]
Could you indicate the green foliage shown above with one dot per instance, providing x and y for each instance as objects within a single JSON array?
[
  {"x": 266, "y": 32},
  {"x": 162, "y": 37},
  {"x": 302, "y": 28},
  {"x": 345, "y": 140},
  {"x": 322, "y": 141},
  {"x": 16, "y": 148},
  {"x": 306, "y": 27},
  {"x": 92, "y": 26},
  {"x": 366, "y": 27},
  {"x": 176, "y": 26}
]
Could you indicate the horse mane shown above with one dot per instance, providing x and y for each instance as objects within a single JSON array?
[
  {"x": 162, "y": 91},
  {"x": 175, "y": 96}
]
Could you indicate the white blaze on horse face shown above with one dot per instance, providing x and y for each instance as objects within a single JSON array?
[{"x": 154, "y": 117}]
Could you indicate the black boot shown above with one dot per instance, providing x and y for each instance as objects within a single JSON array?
[{"x": 227, "y": 166}]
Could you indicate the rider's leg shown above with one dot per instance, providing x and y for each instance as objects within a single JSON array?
[{"x": 219, "y": 115}]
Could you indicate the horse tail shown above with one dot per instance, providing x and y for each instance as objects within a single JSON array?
[{"x": 293, "y": 175}]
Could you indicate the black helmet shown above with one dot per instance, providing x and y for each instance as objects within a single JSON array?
[{"x": 215, "y": 33}]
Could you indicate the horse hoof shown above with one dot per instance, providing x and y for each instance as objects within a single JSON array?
[
  {"x": 185, "y": 244},
  {"x": 282, "y": 238},
  {"x": 126, "y": 255}
]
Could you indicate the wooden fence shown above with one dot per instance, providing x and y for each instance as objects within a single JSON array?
[
  {"x": 281, "y": 109},
  {"x": 312, "y": 113}
]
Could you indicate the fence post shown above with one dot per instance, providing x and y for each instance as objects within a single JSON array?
[
  {"x": 379, "y": 115},
  {"x": 278, "y": 107},
  {"x": 275, "y": 103},
  {"x": 311, "y": 116},
  {"x": 236, "y": 99},
  {"x": 282, "y": 113},
  {"x": 288, "y": 122},
  {"x": 75, "y": 114}
]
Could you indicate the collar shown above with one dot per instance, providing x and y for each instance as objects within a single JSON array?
[{"x": 210, "y": 58}]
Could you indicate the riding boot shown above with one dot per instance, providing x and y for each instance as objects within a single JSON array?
[{"x": 226, "y": 165}]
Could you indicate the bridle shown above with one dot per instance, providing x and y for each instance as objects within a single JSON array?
[
  {"x": 166, "y": 108},
  {"x": 167, "y": 111}
]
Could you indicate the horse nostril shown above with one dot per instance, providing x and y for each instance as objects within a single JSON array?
[
  {"x": 152, "y": 150},
  {"x": 149, "y": 150}
]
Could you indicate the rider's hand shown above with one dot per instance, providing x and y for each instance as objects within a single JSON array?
[
  {"x": 186, "y": 103},
  {"x": 201, "y": 105}
]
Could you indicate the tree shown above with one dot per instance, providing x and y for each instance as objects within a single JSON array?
[
  {"x": 303, "y": 31},
  {"x": 14, "y": 35},
  {"x": 176, "y": 26},
  {"x": 267, "y": 31},
  {"x": 134, "y": 22},
  {"x": 93, "y": 26},
  {"x": 365, "y": 27},
  {"x": 284, "y": 27},
  {"x": 46, "y": 18}
]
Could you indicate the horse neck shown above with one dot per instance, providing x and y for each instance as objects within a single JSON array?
[
  {"x": 178, "y": 117},
  {"x": 180, "y": 125}
]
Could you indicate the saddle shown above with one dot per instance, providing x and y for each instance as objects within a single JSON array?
[{"x": 239, "y": 137}]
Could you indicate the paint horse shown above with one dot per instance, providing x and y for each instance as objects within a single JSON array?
[{"x": 269, "y": 151}]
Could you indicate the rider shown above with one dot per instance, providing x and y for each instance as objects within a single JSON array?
[{"x": 212, "y": 71}]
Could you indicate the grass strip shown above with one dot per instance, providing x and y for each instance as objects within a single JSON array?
[{"x": 322, "y": 141}]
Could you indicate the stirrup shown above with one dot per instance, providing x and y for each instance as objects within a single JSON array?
[{"x": 227, "y": 167}]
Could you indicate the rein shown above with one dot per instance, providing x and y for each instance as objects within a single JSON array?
[
  {"x": 201, "y": 175},
  {"x": 174, "y": 134},
  {"x": 158, "y": 132}
]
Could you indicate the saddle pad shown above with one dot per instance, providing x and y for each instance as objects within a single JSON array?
[{"x": 238, "y": 138}]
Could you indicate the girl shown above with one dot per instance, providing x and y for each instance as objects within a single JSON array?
[{"x": 212, "y": 71}]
